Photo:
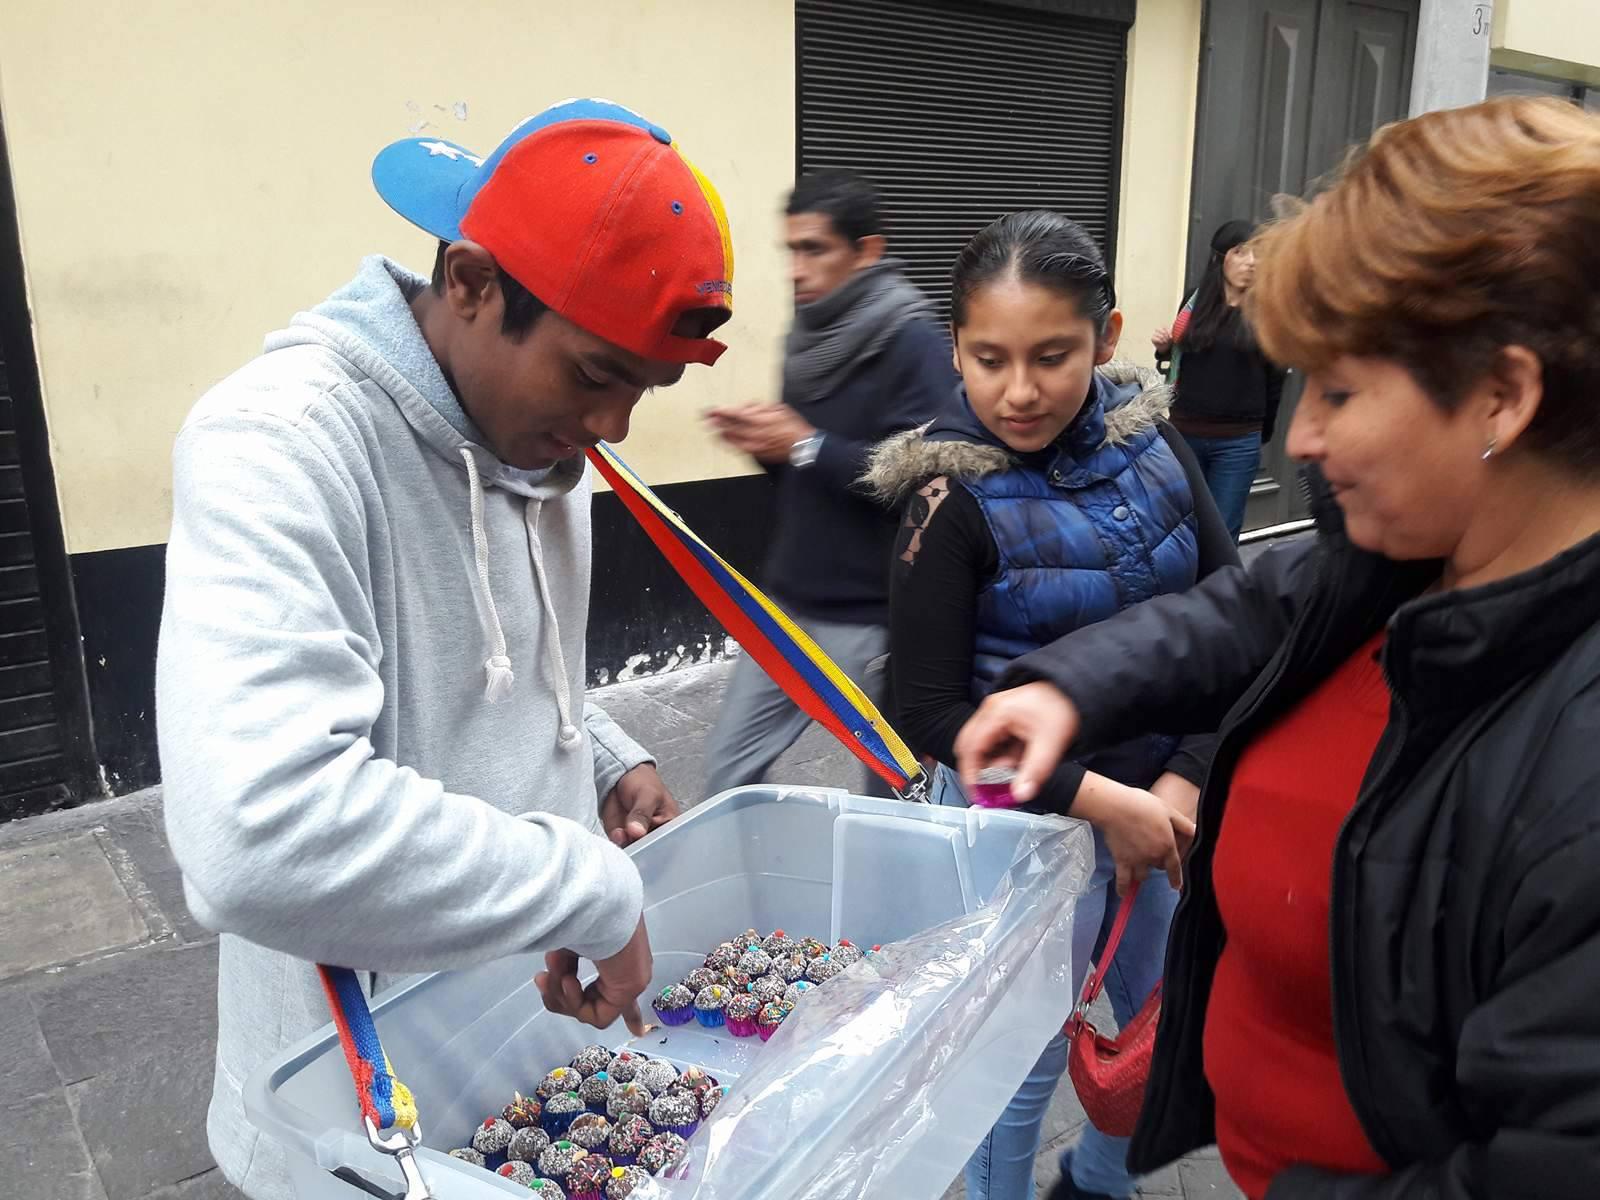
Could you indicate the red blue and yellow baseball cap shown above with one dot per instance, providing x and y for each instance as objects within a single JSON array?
[{"x": 590, "y": 207}]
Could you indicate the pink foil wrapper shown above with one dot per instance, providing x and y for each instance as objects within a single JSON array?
[{"x": 993, "y": 788}]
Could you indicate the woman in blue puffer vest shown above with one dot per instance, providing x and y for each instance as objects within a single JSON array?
[{"x": 1052, "y": 495}]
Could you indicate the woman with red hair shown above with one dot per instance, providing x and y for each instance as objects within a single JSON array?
[{"x": 1383, "y": 978}]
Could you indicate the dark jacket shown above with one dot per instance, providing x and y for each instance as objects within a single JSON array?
[
  {"x": 831, "y": 542},
  {"x": 1465, "y": 936}
]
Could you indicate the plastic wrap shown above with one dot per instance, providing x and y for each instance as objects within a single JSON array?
[{"x": 882, "y": 1082}]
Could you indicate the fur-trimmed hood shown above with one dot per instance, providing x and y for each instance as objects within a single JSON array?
[{"x": 957, "y": 445}]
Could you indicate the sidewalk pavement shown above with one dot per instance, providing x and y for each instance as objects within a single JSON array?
[{"x": 108, "y": 986}]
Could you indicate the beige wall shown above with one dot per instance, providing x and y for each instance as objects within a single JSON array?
[
  {"x": 189, "y": 175},
  {"x": 1555, "y": 38},
  {"x": 1157, "y": 161}
]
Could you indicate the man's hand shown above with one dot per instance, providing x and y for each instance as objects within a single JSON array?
[
  {"x": 1161, "y": 339},
  {"x": 639, "y": 803},
  {"x": 615, "y": 993},
  {"x": 767, "y": 432},
  {"x": 1028, "y": 728}
]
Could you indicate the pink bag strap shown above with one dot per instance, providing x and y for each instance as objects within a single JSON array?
[{"x": 1097, "y": 981}]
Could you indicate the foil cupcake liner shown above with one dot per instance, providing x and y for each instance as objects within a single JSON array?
[{"x": 675, "y": 1016}]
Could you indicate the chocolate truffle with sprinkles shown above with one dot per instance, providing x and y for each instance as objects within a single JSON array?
[
  {"x": 557, "y": 1161},
  {"x": 562, "y": 1079},
  {"x": 701, "y": 977},
  {"x": 823, "y": 969},
  {"x": 662, "y": 1152},
  {"x": 812, "y": 948},
  {"x": 693, "y": 1077},
  {"x": 768, "y": 988},
  {"x": 790, "y": 967},
  {"x": 591, "y": 1060},
  {"x": 527, "y": 1145},
  {"x": 493, "y": 1136},
  {"x": 468, "y": 1155},
  {"x": 518, "y": 1172},
  {"x": 709, "y": 1099},
  {"x": 590, "y": 1131},
  {"x": 657, "y": 1075},
  {"x": 755, "y": 963},
  {"x": 708, "y": 1005},
  {"x": 629, "y": 1098},
  {"x": 522, "y": 1113},
  {"x": 733, "y": 979},
  {"x": 676, "y": 1112},
  {"x": 589, "y": 1175},
  {"x": 625, "y": 1066},
  {"x": 741, "y": 1013},
  {"x": 724, "y": 956},
  {"x": 624, "y": 1180},
  {"x": 547, "y": 1189},
  {"x": 846, "y": 953},
  {"x": 748, "y": 940},
  {"x": 629, "y": 1137},
  {"x": 560, "y": 1111},
  {"x": 674, "y": 1004},
  {"x": 779, "y": 943},
  {"x": 772, "y": 1016},
  {"x": 796, "y": 990},
  {"x": 595, "y": 1091}
]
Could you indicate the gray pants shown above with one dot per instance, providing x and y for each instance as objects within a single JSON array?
[{"x": 757, "y": 722}]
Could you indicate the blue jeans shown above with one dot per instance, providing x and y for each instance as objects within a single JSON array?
[
  {"x": 1229, "y": 465},
  {"x": 1002, "y": 1166}
]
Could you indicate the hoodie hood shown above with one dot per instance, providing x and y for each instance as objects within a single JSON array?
[
  {"x": 369, "y": 324},
  {"x": 1124, "y": 401}
]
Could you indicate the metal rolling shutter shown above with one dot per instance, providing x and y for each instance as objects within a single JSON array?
[
  {"x": 31, "y": 740},
  {"x": 963, "y": 111}
]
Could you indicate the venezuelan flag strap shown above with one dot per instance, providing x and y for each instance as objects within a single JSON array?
[
  {"x": 784, "y": 650},
  {"x": 386, "y": 1103}
]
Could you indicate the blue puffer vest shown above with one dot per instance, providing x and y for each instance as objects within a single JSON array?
[
  {"x": 1083, "y": 530},
  {"x": 1096, "y": 528}
]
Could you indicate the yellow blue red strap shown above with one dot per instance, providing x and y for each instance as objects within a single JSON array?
[
  {"x": 385, "y": 1101},
  {"x": 784, "y": 650}
]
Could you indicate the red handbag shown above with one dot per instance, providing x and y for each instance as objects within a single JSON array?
[{"x": 1110, "y": 1073}]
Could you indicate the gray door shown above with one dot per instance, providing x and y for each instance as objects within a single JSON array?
[{"x": 1286, "y": 88}]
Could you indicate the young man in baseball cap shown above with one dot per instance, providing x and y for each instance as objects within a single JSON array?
[{"x": 375, "y": 744}]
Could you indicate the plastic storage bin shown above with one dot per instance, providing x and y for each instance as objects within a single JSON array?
[{"x": 893, "y": 1070}]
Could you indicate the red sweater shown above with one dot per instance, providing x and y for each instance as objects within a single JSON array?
[{"x": 1269, "y": 1051}]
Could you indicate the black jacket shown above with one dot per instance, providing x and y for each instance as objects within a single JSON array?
[
  {"x": 1465, "y": 934},
  {"x": 831, "y": 541}
]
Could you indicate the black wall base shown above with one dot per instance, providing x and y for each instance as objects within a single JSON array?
[{"x": 642, "y": 618}]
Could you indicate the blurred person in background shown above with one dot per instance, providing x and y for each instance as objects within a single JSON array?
[
  {"x": 863, "y": 360},
  {"x": 1381, "y": 982},
  {"x": 1228, "y": 391}
]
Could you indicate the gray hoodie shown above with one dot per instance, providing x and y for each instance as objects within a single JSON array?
[{"x": 375, "y": 747}]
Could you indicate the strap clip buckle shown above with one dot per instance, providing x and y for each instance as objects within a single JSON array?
[{"x": 401, "y": 1145}]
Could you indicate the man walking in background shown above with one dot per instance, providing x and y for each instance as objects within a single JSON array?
[{"x": 864, "y": 359}]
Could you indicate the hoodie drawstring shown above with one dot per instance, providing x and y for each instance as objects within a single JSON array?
[
  {"x": 570, "y": 734},
  {"x": 497, "y": 667}
]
